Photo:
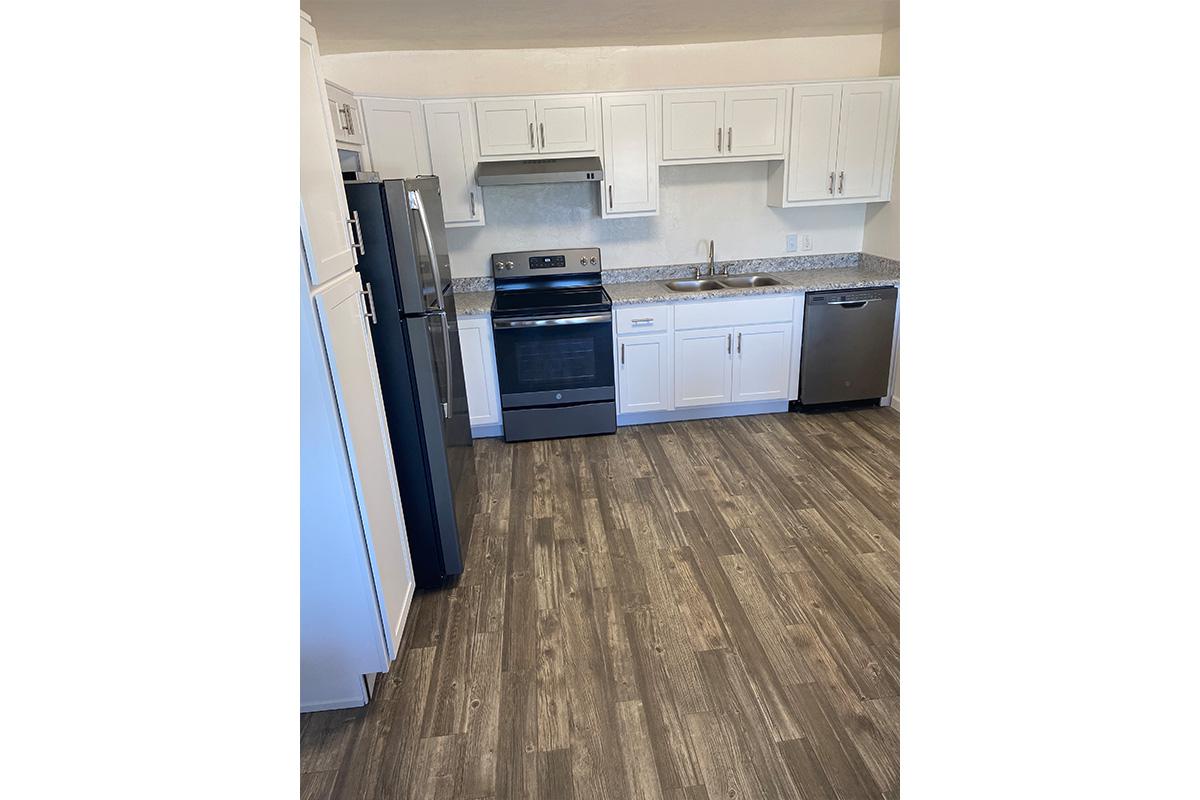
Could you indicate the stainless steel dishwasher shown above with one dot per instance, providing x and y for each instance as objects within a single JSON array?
[{"x": 846, "y": 353}]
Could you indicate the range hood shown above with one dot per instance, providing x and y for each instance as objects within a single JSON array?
[{"x": 547, "y": 170}]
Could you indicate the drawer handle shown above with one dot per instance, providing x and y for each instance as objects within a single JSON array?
[
  {"x": 642, "y": 321},
  {"x": 622, "y": 354},
  {"x": 739, "y": 343}
]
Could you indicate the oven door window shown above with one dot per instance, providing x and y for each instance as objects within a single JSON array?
[{"x": 537, "y": 364}]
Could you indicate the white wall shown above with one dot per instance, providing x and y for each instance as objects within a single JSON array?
[
  {"x": 725, "y": 202},
  {"x": 881, "y": 231},
  {"x": 447, "y": 73}
]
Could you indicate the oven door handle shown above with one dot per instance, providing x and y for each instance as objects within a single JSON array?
[{"x": 546, "y": 321}]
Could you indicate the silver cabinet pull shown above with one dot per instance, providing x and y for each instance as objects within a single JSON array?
[
  {"x": 729, "y": 142},
  {"x": 622, "y": 354},
  {"x": 370, "y": 304},
  {"x": 842, "y": 182},
  {"x": 831, "y": 182},
  {"x": 729, "y": 343},
  {"x": 532, "y": 146},
  {"x": 739, "y": 343},
  {"x": 542, "y": 132},
  {"x": 349, "y": 120},
  {"x": 718, "y": 140},
  {"x": 641, "y": 321},
  {"x": 610, "y": 195},
  {"x": 341, "y": 109},
  {"x": 472, "y": 204},
  {"x": 356, "y": 237}
]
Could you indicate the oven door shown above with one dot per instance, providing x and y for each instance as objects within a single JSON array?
[{"x": 554, "y": 360}]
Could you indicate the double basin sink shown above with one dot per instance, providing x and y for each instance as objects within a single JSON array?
[{"x": 722, "y": 282}]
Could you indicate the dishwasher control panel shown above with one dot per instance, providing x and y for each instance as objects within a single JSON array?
[{"x": 850, "y": 296}]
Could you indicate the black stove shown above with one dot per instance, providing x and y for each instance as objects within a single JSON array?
[{"x": 552, "y": 326}]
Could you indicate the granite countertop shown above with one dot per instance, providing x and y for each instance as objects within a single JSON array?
[
  {"x": 805, "y": 280},
  {"x": 473, "y": 304},
  {"x": 473, "y": 296}
]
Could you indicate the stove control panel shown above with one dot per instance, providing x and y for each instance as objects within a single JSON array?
[{"x": 575, "y": 261}]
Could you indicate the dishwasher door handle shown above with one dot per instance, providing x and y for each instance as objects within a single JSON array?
[{"x": 852, "y": 303}]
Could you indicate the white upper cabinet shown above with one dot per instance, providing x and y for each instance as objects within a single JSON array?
[
  {"x": 815, "y": 116},
  {"x": 452, "y": 157},
  {"x": 754, "y": 122},
  {"x": 347, "y": 123},
  {"x": 863, "y": 139},
  {"x": 567, "y": 124},
  {"x": 507, "y": 126},
  {"x": 322, "y": 195},
  {"x": 521, "y": 126},
  {"x": 395, "y": 132},
  {"x": 735, "y": 124},
  {"x": 630, "y": 137},
  {"x": 693, "y": 124},
  {"x": 842, "y": 146}
]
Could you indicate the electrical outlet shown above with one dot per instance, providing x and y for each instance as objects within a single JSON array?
[
  {"x": 806, "y": 242},
  {"x": 790, "y": 245}
]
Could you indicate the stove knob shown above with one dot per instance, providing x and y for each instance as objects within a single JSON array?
[
  {"x": 508, "y": 265},
  {"x": 592, "y": 260},
  {"x": 582, "y": 262}
]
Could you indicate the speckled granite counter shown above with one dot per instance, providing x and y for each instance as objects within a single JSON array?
[
  {"x": 472, "y": 304},
  {"x": 473, "y": 296},
  {"x": 805, "y": 280}
]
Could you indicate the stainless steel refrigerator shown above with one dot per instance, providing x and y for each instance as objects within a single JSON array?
[{"x": 405, "y": 268}]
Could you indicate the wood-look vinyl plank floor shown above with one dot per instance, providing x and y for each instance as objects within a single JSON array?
[{"x": 704, "y": 609}]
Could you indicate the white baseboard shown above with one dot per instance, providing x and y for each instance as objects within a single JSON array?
[{"x": 487, "y": 431}]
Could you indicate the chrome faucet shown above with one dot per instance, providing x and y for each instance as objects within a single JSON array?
[{"x": 712, "y": 265}]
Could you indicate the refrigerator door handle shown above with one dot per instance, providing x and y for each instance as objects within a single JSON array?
[
  {"x": 414, "y": 202},
  {"x": 447, "y": 407}
]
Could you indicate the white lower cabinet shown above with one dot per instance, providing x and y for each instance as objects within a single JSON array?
[
  {"x": 761, "y": 362},
  {"x": 644, "y": 373},
  {"x": 479, "y": 370},
  {"x": 689, "y": 355},
  {"x": 703, "y": 367}
]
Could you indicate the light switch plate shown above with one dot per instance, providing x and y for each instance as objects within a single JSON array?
[{"x": 806, "y": 242}]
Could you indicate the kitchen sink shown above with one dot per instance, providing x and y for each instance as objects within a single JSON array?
[
  {"x": 702, "y": 285},
  {"x": 747, "y": 281}
]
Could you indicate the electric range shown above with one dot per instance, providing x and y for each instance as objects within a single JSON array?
[{"x": 552, "y": 327}]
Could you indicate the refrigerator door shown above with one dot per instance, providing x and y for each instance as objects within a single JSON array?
[
  {"x": 445, "y": 431},
  {"x": 421, "y": 255}
]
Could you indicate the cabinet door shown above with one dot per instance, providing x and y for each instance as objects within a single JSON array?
[
  {"x": 479, "y": 371},
  {"x": 703, "y": 367},
  {"x": 862, "y": 138},
  {"x": 506, "y": 127},
  {"x": 395, "y": 132},
  {"x": 693, "y": 125},
  {"x": 452, "y": 158},
  {"x": 643, "y": 373},
  {"x": 754, "y": 122},
  {"x": 813, "y": 158},
  {"x": 346, "y": 120},
  {"x": 322, "y": 196},
  {"x": 567, "y": 124},
  {"x": 360, "y": 406},
  {"x": 761, "y": 361},
  {"x": 630, "y": 183}
]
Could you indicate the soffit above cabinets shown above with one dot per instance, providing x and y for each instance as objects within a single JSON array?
[{"x": 355, "y": 26}]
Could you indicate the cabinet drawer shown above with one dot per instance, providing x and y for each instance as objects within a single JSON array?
[
  {"x": 718, "y": 313},
  {"x": 644, "y": 319}
]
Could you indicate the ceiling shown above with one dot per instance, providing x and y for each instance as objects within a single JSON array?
[{"x": 351, "y": 26}]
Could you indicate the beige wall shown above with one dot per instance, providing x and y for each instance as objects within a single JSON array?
[
  {"x": 448, "y": 73},
  {"x": 881, "y": 231}
]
